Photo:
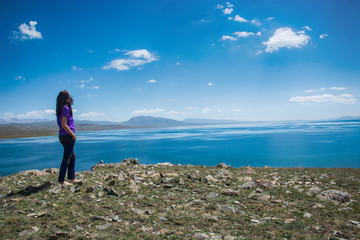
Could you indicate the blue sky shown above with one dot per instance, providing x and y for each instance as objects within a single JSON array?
[{"x": 244, "y": 60}]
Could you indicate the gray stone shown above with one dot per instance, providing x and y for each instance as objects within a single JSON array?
[
  {"x": 212, "y": 195},
  {"x": 75, "y": 189},
  {"x": 111, "y": 191},
  {"x": 168, "y": 186},
  {"x": 210, "y": 178},
  {"x": 248, "y": 185},
  {"x": 103, "y": 227},
  {"x": 24, "y": 233},
  {"x": 229, "y": 192},
  {"x": 334, "y": 196},
  {"x": 201, "y": 236},
  {"x": 223, "y": 165}
]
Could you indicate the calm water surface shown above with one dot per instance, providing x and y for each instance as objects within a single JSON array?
[{"x": 284, "y": 144}]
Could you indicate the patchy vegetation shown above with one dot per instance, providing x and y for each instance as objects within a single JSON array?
[{"x": 164, "y": 201}]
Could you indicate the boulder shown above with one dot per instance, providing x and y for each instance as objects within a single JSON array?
[
  {"x": 229, "y": 192},
  {"x": 334, "y": 196}
]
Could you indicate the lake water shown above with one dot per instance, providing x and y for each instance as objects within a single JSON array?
[{"x": 281, "y": 144}]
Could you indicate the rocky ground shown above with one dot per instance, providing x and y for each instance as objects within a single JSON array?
[{"x": 164, "y": 201}]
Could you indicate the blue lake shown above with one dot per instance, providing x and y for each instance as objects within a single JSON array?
[{"x": 280, "y": 144}]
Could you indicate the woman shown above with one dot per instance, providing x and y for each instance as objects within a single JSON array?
[{"x": 67, "y": 136}]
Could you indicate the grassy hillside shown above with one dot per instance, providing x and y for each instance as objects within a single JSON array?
[{"x": 163, "y": 201}]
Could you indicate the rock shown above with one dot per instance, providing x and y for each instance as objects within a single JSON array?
[
  {"x": 59, "y": 235},
  {"x": 201, "y": 236},
  {"x": 42, "y": 213},
  {"x": 319, "y": 205},
  {"x": 223, "y": 165},
  {"x": 354, "y": 222},
  {"x": 255, "y": 221},
  {"x": 165, "y": 180},
  {"x": 75, "y": 189},
  {"x": 245, "y": 179},
  {"x": 248, "y": 185},
  {"x": 230, "y": 209},
  {"x": 103, "y": 227},
  {"x": 264, "y": 197},
  {"x": 307, "y": 215},
  {"x": 102, "y": 218},
  {"x": 210, "y": 178},
  {"x": 229, "y": 192},
  {"x": 259, "y": 190},
  {"x": 78, "y": 228},
  {"x": 181, "y": 181},
  {"x": 138, "y": 179},
  {"x": 248, "y": 170},
  {"x": 24, "y": 233},
  {"x": 34, "y": 172},
  {"x": 224, "y": 174},
  {"x": 334, "y": 196},
  {"x": 55, "y": 190},
  {"x": 169, "y": 164},
  {"x": 194, "y": 176},
  {"x": 52, "y": 170},
  {"x": 100, "y": 194},
  {"x": 133, "y": 187},
  {"x": 101, "y": 163},
  {"x": 168, "y": 186},
  {"x": 212, "y": 195},
  {"x": 111, "y": 191},
  {"x": 138, "y": 211},
  {"x": 313, "y": 190},
  {"x": 163, "y": 218},
  {"x": 90, "y": 189}
]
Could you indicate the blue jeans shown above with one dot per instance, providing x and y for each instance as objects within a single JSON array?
[{"x": 68, "y": 161}]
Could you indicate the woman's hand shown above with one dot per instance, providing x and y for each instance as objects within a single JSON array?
[{"x": 74, "y": 137}]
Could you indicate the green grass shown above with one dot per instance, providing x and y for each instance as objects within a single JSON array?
[{"x": 183, "y": 210}]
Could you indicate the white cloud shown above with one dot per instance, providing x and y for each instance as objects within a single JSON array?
[
  {"x": 307, "y": 28},
  {"x": 228, "y": 11},
  {"x": 270, "y": 18},
  {"x": 36, "y": 114},
  {"x": 137, "y": 58},
  {"x": 95, "y": 87},
  {"x": 91, "y": 114},
  {"x": 76, "y": 68},
  {"x": 256, "y": 22},
  {"x": 230, "y": 18},
  {"x": 229, "y": 5},
  {"x": 148, "y": 111},
  {"x": 9, "y": 115},
  {"x": 322, "y": 36},
  {"x": 338, "y": 88},
  {"x": 210, "y": 84},
  {"x": 225, "y": 37},
  {"x": 219, "y": 6},
  {"x": 323, "y": 89},
  {"x": 89, "y": 51},
  {"x": 151, "y": 81},
  {"x": 28, "y": 31},
  {"x": 239, "y": 19},
  {"x": 246, "y": 34},
  {"x": 237, "y": 110},
  {"x": 259, "y": 52},
  {"x": 206, "y": 110},
  {"x": 286, "y": 37},
  {"x": 191, "y": 108},
  {"x": 310, "y": 91},
  {"x": 141, "y": 53},
  {"x": 177, "y": 64},
  {"x": 20, "y": 78},
  {"x": 85, "y": 81},
  {"x": 325, "y": 98}
]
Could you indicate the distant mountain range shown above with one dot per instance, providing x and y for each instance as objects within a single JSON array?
[{"x": 14, "y": 128}]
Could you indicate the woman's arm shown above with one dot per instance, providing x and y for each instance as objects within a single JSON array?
[{"x": 66, "y": 128}]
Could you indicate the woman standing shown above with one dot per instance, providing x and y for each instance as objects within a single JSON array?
[{"x": 67, "y": 136}]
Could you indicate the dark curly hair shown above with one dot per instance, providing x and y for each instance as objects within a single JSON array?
[{"x": 63, "y": 98}]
